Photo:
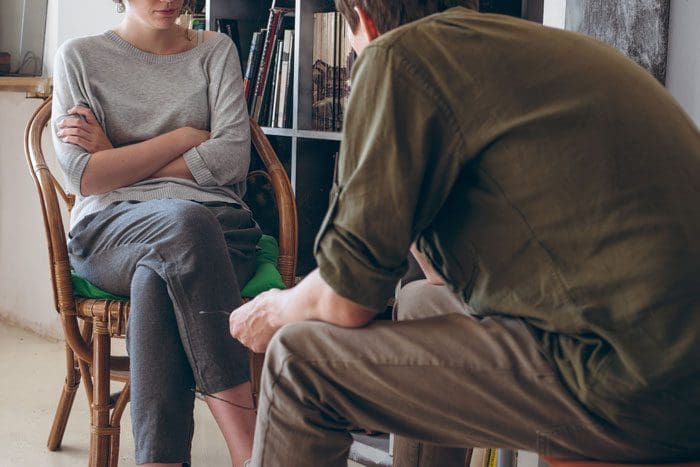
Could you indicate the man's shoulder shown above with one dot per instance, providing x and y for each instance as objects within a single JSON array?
[{"x": 416, "y": 31}]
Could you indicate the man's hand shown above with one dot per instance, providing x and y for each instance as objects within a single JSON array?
[
  {"x": 424, "y": 263},
  {"x": 81, "y": 128},
  {"x": 254, "y": 323}
]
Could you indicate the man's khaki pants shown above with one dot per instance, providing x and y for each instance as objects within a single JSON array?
[{"x": 450, "y": 380}]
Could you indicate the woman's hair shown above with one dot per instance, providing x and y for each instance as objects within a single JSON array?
[
  {"x": 388, "y": 14},
  {"x": 187, "y": 6}
]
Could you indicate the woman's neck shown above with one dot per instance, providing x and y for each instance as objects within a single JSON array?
[{"x": 155, "y": 41}]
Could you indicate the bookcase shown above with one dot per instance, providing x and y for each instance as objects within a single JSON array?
[{"x": 307, "y": 154}]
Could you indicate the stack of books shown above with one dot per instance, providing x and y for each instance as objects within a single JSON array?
[
  {"x": 267, "y": 80},
  {"x": 333, "y": 58}
]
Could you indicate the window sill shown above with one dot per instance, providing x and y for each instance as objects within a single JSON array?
[{"x": 34, "y": 86}]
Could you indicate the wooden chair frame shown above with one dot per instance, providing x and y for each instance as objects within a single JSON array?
[{"x": 88, "y": 324}]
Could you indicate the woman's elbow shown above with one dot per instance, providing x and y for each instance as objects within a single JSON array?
[
  {"x": 90, "y": 185},
  {"x": 86, "y": 188}
]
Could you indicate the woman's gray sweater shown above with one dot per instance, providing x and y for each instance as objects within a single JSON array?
[{"x": 137, "y": 95}]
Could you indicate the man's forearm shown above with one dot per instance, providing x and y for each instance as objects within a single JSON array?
[
  {"x": 314, "y": 299},
  {"x": 255, "y": 323},
  {"x": 115, "y": 168}
]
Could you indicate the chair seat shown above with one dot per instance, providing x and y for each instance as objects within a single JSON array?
[
  {"x": 94, "y": 303},
  {"x": 266, "y": 276},
  {"x": 554, "y": 462}
]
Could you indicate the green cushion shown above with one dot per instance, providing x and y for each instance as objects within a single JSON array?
[
  {"x": 266, "y": 276},
  {"x": 84, "y": 288}
]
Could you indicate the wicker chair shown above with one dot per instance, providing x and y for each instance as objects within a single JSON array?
[{"x": 89, "y": 324}]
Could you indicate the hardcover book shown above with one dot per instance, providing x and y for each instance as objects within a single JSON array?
[
  {"x": 274, "y": 26},
  {"x": 333, "y": 58}
]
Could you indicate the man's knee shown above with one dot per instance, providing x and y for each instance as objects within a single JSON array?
[
  {"x": 420, "y": 299},
  {"x": 298, "y": 341},
  {"x": 293, "y": 353}
]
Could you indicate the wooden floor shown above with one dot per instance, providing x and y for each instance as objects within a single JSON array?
[{"x": 32, "y": 372}]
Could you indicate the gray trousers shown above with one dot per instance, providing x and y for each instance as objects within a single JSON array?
[
  {"x": 173, "y": 258},
  {"x": 450, "y": 380}
]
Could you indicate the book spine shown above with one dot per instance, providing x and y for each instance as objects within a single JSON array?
[
  {"x": 492, "y": 457},
  {"x": 272, "y": 21},
  {"x": 274, "y": 92},
  {"x": 273, "y": 26},
  {"x": 287, "y": 47},
  {"x": 336, "y": 69},
  {"x": 252, "y": 65},
  {"x": 267, "y": 90},
  {"x": 287, "y": 119}
]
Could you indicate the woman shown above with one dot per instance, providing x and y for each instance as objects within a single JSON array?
[{"x": 151, "y": 129}]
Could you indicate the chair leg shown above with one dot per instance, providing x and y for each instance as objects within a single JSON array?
[
  {"x": 114, "y": 450},
  {"x": 119, "y": 407},
  {"x": 65, "y": 403},
  {"x": 101, "y": 431}
]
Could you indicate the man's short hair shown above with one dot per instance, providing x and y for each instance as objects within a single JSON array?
[{"x": 390, "y": 14}]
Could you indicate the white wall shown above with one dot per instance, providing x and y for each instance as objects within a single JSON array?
[
  {"x": 76, "y": 18},
  {"x": 25, "y": 293},
  {"x": 683, "y": 72},
  {"x": 25, "y": 288}
]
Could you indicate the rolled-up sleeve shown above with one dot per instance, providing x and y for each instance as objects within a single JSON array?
[
  {"x": 395, "y": 172},
  {"x": 224, "y": 159},
  {"x": 68, "y": 91}
]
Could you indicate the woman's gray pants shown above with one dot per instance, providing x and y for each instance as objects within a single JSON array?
[{"x": 173, "y": 258}]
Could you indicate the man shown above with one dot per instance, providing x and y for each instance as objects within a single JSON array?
[{"x": 553, "y": 185}]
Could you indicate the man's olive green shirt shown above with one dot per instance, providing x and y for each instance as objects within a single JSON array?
[{"x": 548, "y": 178}]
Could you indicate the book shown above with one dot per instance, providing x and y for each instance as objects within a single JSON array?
[
  {"x": 479, "y": 457},
  {"x": 527, "y": 459},
  {"x": 492, "y": 457},
  {"x": 507, "y": 458},
  {"x": 253, "y": 63},
  {"x": 332, "y": 60},
  {"x": 271, "y": 107},
  {"x": 277, "y": 12},
  {"x": 285, "y": 78}
]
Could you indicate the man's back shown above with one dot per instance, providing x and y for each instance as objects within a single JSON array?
[{"x": 575, "y": 204}]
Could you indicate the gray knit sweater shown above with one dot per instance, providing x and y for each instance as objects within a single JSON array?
[{"x": 137, "y": 95}]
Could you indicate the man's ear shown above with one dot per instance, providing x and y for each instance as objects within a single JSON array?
[{"x": 367, "y": 24}]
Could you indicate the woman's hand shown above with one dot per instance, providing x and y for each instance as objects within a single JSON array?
[
  {"x": 82, "y": 129},
  {"x": 254, "y": 323}
]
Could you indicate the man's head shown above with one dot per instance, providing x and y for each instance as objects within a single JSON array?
[{"x": 367, "y": 19}]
